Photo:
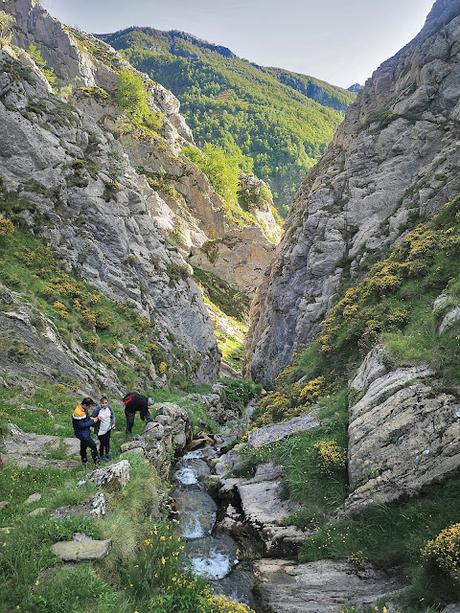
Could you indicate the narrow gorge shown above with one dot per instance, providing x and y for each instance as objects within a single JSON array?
[{"x": 303, "y": 448}]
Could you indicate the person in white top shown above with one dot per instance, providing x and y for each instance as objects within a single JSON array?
[{"x": 105, "y": 425}]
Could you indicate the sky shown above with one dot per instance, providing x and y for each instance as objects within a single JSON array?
[{"x": 340, "y": 41}]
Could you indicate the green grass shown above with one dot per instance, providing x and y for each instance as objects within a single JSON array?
[
  {"x": 391, "y": 536},
  {"x": 305, "y": 481},
  {"x": 132, "y": 577}
]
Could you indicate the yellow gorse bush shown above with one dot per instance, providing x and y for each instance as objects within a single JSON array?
[
  {"x": 444, "y": 550},
  {"x": 221, "y": 604},
  {"x": 312, "y": 390},
  {"x": 331, "y": 456},
  {"x": 6, "y": 227}
]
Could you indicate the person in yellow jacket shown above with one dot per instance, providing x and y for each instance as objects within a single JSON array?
[{"x": 82, "y": 425}]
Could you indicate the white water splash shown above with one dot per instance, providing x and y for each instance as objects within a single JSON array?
[
  {"x": 215, "y": 566},
  {"x": 191, "y": 529},
  {"x": 190, "y": 455},
  {"x": 186, "y": 476}
]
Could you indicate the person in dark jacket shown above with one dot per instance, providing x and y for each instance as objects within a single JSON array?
[
  {"x": 104, "y": 426},
  {"x": 82, "y": 425},
  {"x": 136, "y": 402}
]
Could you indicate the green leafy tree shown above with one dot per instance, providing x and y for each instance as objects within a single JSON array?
[
  {"x": 132, "y": 98},
  {"x": 6, "y": 23}
]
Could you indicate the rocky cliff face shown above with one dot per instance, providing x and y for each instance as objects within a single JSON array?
[
  {"x": 393, "y": 161},
  {"x": 120, "y": 206},
  {"x": 187, "y": 209},
  {"x": 85, "y": 197}
]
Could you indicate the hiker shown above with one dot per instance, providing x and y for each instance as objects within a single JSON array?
[
  {"x": 104, "y": 426},
  {"x": 81, "y": 426},
  {"x": 136, "y": 402}
]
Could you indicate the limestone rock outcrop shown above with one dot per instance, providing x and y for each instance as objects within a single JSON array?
[
  {"x": 81, "y": 548},
  {"x": 29, "y": 449},
  {"x": 323, "y": 586},
  {"x": 163, "y": 437},
  {"x": 404, "y": 432},
  {"x": 394, "y": 159},
  {"x": 84, "y": 195}
]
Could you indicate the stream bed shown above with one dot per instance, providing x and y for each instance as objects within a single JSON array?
[{"x": 210, "y": 551}]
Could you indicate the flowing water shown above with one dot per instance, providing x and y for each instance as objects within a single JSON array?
[{"x": 210, "y": 552}]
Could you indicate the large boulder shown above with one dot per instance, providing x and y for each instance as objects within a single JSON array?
[
  {"x": 325, "y": 586},
  {"x": 404, "y": 432},
  {"x": 113, "y": 477}
]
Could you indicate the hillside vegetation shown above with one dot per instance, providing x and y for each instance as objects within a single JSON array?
[
  {"x": 395, "y": 306},
  {"x": 282, "y": 122}
]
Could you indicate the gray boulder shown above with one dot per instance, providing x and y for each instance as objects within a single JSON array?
[
  {"x": 81, "y": 548},
  {"x": 327, "y": 586}
]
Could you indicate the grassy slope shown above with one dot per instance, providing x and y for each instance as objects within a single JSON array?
[
  {"x": 394, "y": 305},
  {"x": 228, "y": 99},
  {"x": 229, "y": 312}
]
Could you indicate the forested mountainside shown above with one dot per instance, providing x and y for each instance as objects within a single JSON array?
[{"x": 281, "y": 122}]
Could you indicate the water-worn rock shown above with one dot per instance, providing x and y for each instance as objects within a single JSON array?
[
  {"x": 81, "y": 548},
  {"x": 395, "y": 157},
  {"x": 265, "y": 509},
  {"x": 322, "y": 586},
  {"x": 113, "y": 477},
  {"x": 190, "y": 471},
  {"x": 211, "y": 557},
  {"x": 197, "y": 512},
  {"x": 404, "y": 432},
  {"x": 273, "y": 433}
]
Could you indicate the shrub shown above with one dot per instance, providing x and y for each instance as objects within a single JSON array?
[
  {"x": 444, "y": 551},
  {"x": 132, "y": 98},
  {"x": 331, "y": 456},
  {"x": 6, "y": 227},
  {"x": 6, "y": 21},
  {"x": 37, "y": 57}
]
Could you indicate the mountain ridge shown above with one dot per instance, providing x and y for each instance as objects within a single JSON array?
[{"x": 229, "y": 101}]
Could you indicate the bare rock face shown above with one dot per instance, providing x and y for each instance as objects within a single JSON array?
[
  {"x": 325, "y": 585},
  {"x": 404, "y": 432},
  {"x": 394, "y": 159},
  {"x": 113, "y": 477},
  {"x": 273, "y": 433},
  {"x": 265, "y": 509},
  {"x": 60, "y": 161},
  {"x": 29, "y": 449}
]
